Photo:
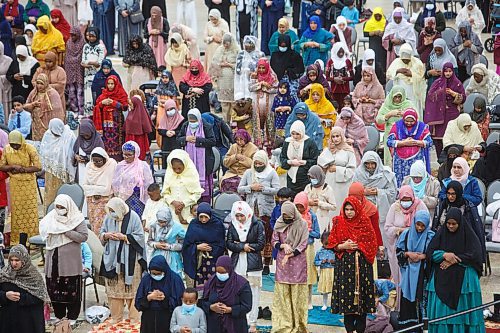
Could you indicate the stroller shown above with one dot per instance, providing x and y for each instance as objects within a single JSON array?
[{"x": 495, "y": 17}]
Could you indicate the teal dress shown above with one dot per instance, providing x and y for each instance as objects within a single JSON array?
[
  {"x": 174, "y": 236},
  {"x": 309, "y": 54},
  {"x": 273, "y": 42},
  {"x": 470, "y": 297}
]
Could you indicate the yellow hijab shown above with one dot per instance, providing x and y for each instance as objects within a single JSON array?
[
  {"x": 372, "y": 24},
  {"x": 324, "y": 107},
  {"x": 189, "y": 177},
  {"x": 52, "y": 40},
  {"x": 176, "y": 57}
]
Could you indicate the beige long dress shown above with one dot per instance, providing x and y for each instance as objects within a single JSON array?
[{"x": 213, "y": 30}]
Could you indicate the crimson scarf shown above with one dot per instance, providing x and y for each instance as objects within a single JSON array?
[{"x": 196, "y": 80}]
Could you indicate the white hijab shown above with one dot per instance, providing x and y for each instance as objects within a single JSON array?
[
  {"x": 296, "y": 147},
  {"x": 340, "y": 20},
  {"x": 26, "y": 65},
  {"x": 368, "y": 55},
  {"x": 241, "y": 207},
  {"x": 339, "y": 63}
]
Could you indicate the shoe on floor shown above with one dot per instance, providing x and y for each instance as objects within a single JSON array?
[
  {"x": 310, "y": 307},
  {"x": 259, "y": 315},
  {"x": 265, "y": 271},
  {"x": 324, "y": 307},
  {"x": 266, "y": 313}
]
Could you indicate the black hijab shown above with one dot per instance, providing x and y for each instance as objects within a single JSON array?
[
  {"x": 459, "y": 198},
  {"x": 478, "y": 117},
  {"x": 487, "y": 168},
  {"x": 96, "y": 32},
  {"x": 287, "y": 63},
  {"x": 453, "y": 150},
  {"x": 465, "y": 245}
]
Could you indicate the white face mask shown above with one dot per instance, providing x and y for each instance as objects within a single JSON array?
[
  {"x": 61, "y": 211},
  {"x": 429, "y": 6},
  {"x": 171, "y": 113},
  {"x": 283, "y": 48},
  {"x": 406, "y": 204}
]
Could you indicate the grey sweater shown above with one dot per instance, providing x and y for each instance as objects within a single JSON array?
[{"x": 197, "y": 322}]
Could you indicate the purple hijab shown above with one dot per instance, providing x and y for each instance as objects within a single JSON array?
[
  {"x": 438, "y": 100},
  {"x": 321, "y": 79},
  {"x": 197, "y": 154},
  {"x": 226, "y": 291}
]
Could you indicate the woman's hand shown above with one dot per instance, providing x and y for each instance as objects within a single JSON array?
[
  {"x": 18, "y": 77},
  {"x": 451, "y": 258},
  {"x": 197, "y": 91},
  {"x": 332, "y": 168},
  {"x": 156, "y": 295},
  {"x": 178, "y": 205},
  {"x": 204, "y": 247},
  {"x": 256, "y": 187},
  {"x": 349, "y": 245},
  {"x": 286, "y": 248},
  {"x": 285, "y": 259},
  {"x": 248, "y": 248},
  {"x": 13, "y": 296},
  {"x": 191, "y": 139}
]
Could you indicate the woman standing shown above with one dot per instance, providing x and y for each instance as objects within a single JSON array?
[
  {"x": 339, "y": 162},
  {"x": 263, "y": 86},
  {"x": 245, "y": 239},
  {"x": 353, "y": 239},
  {"x": 484, "y": 81},
  {"x": 34, "y": 10},
  {"x": 56, "y": 153},
  {"x": 454, "y": 258},
  {"x": 178, "y": 57},
  {"x": 88, "y": 139},
  {"x": 442, "y": 105},
  {"x": 104, "y": 20},
  {"x": 101, "y": 77},
  {"x": 124, "y": 257},
  {"x": 440, "y": 56},
  {"x": 410, "y": 141},
  {"x": 203, "y": 245},
  {"x": 374, "y": 29},
  {"x": 21, "y": 161},
  {"x": 312, "y": 123},
  {"x": 128, "y": 29},
  {"x": 246, "y": 64},
  {"x": 195, "y": 87},
  {"x": 323, "y": 108},
  {"x": 466, "y": 47},
  {"x": 64, "y": 230},
  {"x": 321, "y": 197},
  {"x": 259, "y": 185},
  {"x": 132, "y": 178},
  {"x": 354, "y": 131},
  {"x": 424, "y": 185},
  {"x": 91, "y": 59},
  {"x": 214, "y": 32},
  {"x": 315, "y": 42},
  {"x": 227, "y": 299},
  {"x": 368, "y": 96},
  {"x": 298, "y": 155},
  {"x": 97, "y": 186},
  {"x": 246, "y": 19},
  {"x": 156, "y": 30},
  {"x": 397, "y": 33},
  {"x": 411, "y": 254},
  {"x": 339, "y": 72},
  {"x": 290, "y": 238},
  {"x": 138, "y": 126},
  {"x": 313, "y": 74},
  {"x": 222, "y": 71},
  {"x": 56, "y": 76},
  {"x": 22, "y": 294},
  {"x": 59, "y": 21},
  {"x": 108, "y": 116},
  {"x": 239, "y": 158},
  {"x": 391, "y": 111},
  {"x": 47, "y": 38},
  {"x": 283, "y": 29},
  {"x": 20, "y": 73},
  {"x": 287, "y": 63},
  {"x": 197, "y": 138},
  {"x": 430, "y": 11},
  {"x": 426, "y": 39},
  {"x": 74, "y": 71},
  {"x": 399, "y": 219},
  {"x": 141, "y": 63}
]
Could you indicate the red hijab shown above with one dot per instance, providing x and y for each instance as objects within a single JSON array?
[
  {"x": 358, "y": 191},
  {"x": 63, "y": 25},
  {"x": 138, "y": 121},
  {"x": 268, "y": 76},
  {"x": 11, "y": 10},
  {"x": 358, "y": 229},
  {"x": 196, "y": 80},
  {"x": 105, "y": 112}
]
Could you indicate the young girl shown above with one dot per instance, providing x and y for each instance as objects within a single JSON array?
[
  {"x": 165, "y": 91},
  {"x": 348, "y": 102},
  {"x": 325, "y": 260},
  {"x": 92, "y": 56},
  {"x": 302, "y": 203},
  {"x": 282, "y": 107},
  {"x": 321, "y": 197},
  {"x": 177, "y": 58},
  {"x": 339, "y": 72},
  {"x": 241, "y": 112},
  {"x": 159, "y": 293},
  {"x": 138, "y": 125}
]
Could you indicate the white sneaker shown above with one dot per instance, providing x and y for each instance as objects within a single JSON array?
[
  {"x": 72, "y": 322},
  {"x": 324, "y": 307},
  {"x": 310, "y": 307}
]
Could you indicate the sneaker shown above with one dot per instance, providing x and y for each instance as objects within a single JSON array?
[
  {"x": 266, "y": 270},
  {"x": 72, "y": 323},
  {"x": 324, "y": 307},
  {"x": 310, "y": 307}
]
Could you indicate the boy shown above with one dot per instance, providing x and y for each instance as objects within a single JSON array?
[
  {"x": 351, "y": 13},
  {"x": 385, "y": 290},
  {"x": 20, "y": 119},
  {"x": 188, "y": 318},
  {"x": 153, "y": 205}
]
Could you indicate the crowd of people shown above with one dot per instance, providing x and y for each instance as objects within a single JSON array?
[{"x": 282, "y": 121}]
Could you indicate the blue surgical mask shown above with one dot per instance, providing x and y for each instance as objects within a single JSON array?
[
  {"x": 158, "y": 277},
  {"x": 113, "y": 215},
  {"x": 283, "y": 48},
  {"x": 188, "y": 309},
  {"x": 314, "y": 182},
  {"x": 222, "y": 277},
  {"x": 194, "y": 125},
  {"x": 406, "y": 204}
]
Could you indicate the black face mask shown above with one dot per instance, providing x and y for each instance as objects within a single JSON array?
[
  {"x": 196, "y": 72},
  {"x": 260, "y": 169},
  {"x": 288, "y": 220}
]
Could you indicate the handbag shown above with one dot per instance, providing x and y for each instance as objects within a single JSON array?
[{"x": 136, "y": 17}]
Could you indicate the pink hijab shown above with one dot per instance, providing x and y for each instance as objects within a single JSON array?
[
  {"x": 129, "y": 175},
  {"x": 407, "y": 192},
  {"x": 170, "y": 123},
  {"x": 465, "y": 167}
]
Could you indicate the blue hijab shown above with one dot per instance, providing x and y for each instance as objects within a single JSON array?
[
  {"x": 413, "y": 241},
  {"x": 310, "y": 33},
  {"x": 314, "y": 129},
  {"x": 171, "y": 285},
  {"x": 211, "y": 232},
  {"x": 100, "y": 78}
]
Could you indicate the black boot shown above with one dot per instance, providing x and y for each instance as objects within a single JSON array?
[
  {"x": 496, "y": 309},
  {"x": 265, "y": 271}
]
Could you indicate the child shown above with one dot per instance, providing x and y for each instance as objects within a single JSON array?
[
  {"x": 20, "y": 119},
  {"x": 282, "y": 107},
  {"x": 325, "y": 260},
  {"x": 284, "y": 194},
  {"x": 351, "y": 13},
  {"x": 86, "y": 260},
  {"x": 302, "y": 203},
  {"x": 385, "y": 291},
  {"x": 165, "y": 239},
  {"x": 168, "y": 123},
  {"x": 166, "y": 90},
  {"x": 241, "y": 112},
  {"x": 348, "y": 103},
  {"x": 153, "y": 205},
  {"x": 188, "y": 318},
  {"x": 159, "y": 293},
  {"x": 29, "y": 31},
  {"x": 321, "y": 197}
]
